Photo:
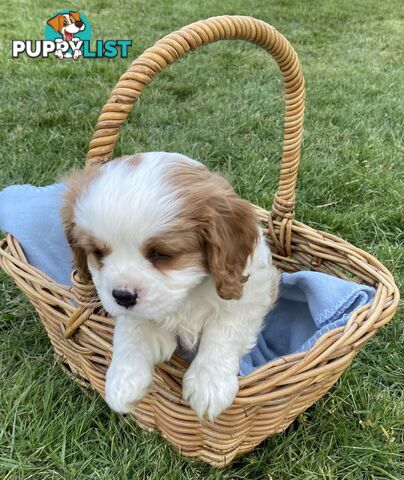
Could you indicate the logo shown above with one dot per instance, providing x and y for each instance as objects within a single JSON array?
[
  {"x": 68, "y": 30},
  {"x": 68, "y": 35}
]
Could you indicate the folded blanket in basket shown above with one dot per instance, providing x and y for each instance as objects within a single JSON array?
[
  {"x": 310, "y": 303},
  {"x": 32, "y": 216}
]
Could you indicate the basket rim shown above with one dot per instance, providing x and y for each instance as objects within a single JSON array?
[
  {"x": 385, "y": 289},
  {"x": 178, "y": 44}
]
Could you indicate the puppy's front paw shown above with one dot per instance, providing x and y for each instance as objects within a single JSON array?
[
  {"x": 126, "y": 384},
  {"x": 208, "y": 389}
]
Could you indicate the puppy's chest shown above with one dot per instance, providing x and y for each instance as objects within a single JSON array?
[{"x": 191, "y": 318}]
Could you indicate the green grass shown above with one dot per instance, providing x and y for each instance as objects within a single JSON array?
[{"x": 222, "y": 105}]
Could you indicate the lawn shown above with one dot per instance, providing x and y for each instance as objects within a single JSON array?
[{"x": 222, "y": 105}]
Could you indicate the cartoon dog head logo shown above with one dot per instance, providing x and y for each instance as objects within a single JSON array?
[
  {"x": 66, "y": 27},
  {"x": 68, "y": 35},
  {"x": 67, "y": 24}
]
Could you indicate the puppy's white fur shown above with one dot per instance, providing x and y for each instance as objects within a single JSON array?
[{"x": 123, "y": 206}]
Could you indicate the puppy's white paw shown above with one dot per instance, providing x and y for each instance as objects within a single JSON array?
[
  {"x": 77, "y": 54},
  {"x": 126, "y": 384},
  {"x": 209, "y": 390}
]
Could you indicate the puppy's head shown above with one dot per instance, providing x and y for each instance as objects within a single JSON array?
[
  {"x": 67, "y": 24},
  {"x": 150, "y": 228}
]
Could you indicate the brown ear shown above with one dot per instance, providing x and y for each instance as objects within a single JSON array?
[
  {"x": 72, "y": 232},
  {"x": 79, "y": 254},
  {"x": 56, "y": 22},
  {"x": 231, "y": 235},
  {"x": 75, "y": 15}
]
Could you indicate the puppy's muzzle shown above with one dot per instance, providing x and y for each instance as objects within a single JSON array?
[{"x": 124, "y": 298}]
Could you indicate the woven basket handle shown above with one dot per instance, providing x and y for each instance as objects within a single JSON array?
[{"x": 177, "y": 44}]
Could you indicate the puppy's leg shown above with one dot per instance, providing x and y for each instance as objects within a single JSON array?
[
  {"x": 211, "y": 384},
  {"x": 137, "y": 347}
]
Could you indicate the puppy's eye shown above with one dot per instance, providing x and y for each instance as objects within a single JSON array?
[
  {"x": 65, "y": 22},
  {"x": 156, "y": 256},
  {"x": 98, "y": 254}
]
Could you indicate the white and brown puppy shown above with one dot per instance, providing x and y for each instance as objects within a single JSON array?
[{"x": 174, "y": 255}]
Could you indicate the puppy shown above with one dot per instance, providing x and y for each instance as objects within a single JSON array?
[
  {"x": 175, "y": 255},
  {"x": 67, "y": 25}
]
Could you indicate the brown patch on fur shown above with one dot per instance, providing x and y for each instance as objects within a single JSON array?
[
  {"x": 94, "y": 248},
  {"x": 181, "y": 249},
  {"x": 133, "y": 160},
  {"x": 83, "y": 245},
  {"x": 225, "y": 224}
]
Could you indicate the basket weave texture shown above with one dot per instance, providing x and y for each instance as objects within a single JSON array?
[{"x": 270, "y": 398}]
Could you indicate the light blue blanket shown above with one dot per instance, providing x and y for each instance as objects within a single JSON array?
[{"x": 310, "y": 303}]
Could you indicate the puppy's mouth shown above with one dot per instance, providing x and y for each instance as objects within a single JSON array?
[{"x": 69, "y": 36}]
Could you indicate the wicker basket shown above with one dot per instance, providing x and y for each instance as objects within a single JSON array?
[{"x": 271, "y": 397}]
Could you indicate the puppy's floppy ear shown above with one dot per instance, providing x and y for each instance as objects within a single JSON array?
[
  {"x": 231, "y": 234},
  {"x": 74, "y": 186},
  {"x": 75, "y": 15},
  {"x": 56, "y": 22},
  {"x": 79, "y": 254}
]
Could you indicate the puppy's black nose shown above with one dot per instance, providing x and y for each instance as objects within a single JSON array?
[
  {"x": 124, "y": 298},
  {"x": 78, "y": 23}
]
